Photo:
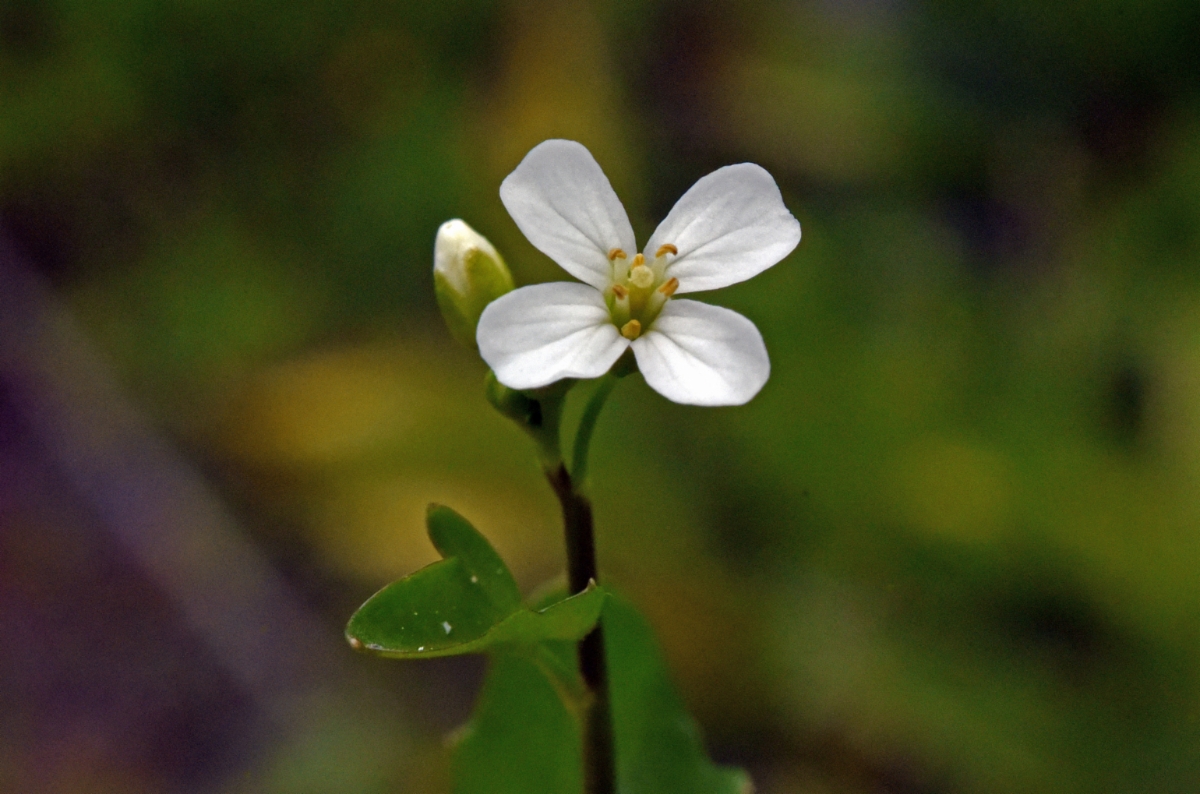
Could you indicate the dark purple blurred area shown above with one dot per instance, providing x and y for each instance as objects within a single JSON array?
[{"x": 102, "y": 678}]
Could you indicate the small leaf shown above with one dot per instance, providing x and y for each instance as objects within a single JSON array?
[
  {"x": 466, "y": 603},
  {"x": 569, "y": 619},
  {"x": 433, "y": 612},
  {"x": 401, "y": 621}
]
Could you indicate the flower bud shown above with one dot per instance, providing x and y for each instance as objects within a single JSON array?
[{"x": 468, "y": 274}]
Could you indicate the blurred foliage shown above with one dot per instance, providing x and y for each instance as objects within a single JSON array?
[{"x": 950, "y": 547}]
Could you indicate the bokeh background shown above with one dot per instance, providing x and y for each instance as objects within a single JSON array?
[{"x": 952, "y": 546}]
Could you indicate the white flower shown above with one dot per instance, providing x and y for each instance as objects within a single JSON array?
[{"x": 729, "y": 226}]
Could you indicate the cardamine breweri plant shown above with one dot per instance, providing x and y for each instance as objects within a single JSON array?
[{"x": 577, "y": 698}]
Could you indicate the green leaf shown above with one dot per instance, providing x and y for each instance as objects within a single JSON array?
[
  {"x": 659, "y": 747},
  {"x": 525, "y": 733},
  {"x": 521, "y": 738},
  {"x": 570, "y": 619},
  {"x": 466, "y": 603},
  {"x": 453, "y": 536},
  {"x": 433, "y": 612}
]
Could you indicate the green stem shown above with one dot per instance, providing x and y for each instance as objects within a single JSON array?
[
  {"x": 537, "y": 412},
  {"x": 587, "y": 424}
]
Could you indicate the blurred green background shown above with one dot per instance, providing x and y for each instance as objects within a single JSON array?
[{"x": 951, "y": 547}]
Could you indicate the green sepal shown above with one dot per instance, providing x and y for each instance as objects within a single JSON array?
[{"x": 465, "y": 603}]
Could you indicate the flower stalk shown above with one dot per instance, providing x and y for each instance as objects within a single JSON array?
[
  {"x": 599, "y": 758},
  {"x": 587, "y": 424}
]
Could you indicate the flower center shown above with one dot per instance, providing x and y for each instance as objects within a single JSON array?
[{"x": 639, "y": 289}]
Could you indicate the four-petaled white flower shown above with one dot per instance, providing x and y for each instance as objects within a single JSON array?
[{"x": 729, "y": 226}]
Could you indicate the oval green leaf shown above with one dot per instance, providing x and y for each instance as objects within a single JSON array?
[
  {"x": 453, "y": 536},
  {"x": 433, "y": 612},
  {"x": 466, "y": 603}
]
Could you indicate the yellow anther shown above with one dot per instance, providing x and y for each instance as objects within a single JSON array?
[
  {"x": 616, "y": 253},
  {"x": 641, "y": 276},
  {"x": 665, "y": 248},
  {"x": 639, "y": 260},
  {"x": 620, "y": 292},
  {"x": 669, "y": 286},
  {"x": 631, "y": 330}
]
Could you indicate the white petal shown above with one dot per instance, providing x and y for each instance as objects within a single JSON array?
[
  {"x": 729, "y": 226},
  {"x": 536, "y": 335},
  {"x": 563, "y": 203},
  {"x": 703, "y": 355}
]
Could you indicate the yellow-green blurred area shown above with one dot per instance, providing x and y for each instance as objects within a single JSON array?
[{"x": 952, "y": 546}]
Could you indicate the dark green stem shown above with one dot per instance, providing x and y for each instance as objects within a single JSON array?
[{"x": 599, "y": 759}]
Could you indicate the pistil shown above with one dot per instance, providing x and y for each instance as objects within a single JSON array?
[
  {"x": 641, "y": 276},
  {"x": 639, "y": 290}
]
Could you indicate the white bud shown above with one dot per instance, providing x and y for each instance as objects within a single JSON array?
[{"x": 468, "y": 274}]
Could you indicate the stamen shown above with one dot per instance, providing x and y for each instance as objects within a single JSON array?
[
  {"x": 641, "y": 276},
  {"x": 665, "y": 248},
  {"x": 620, "y": 292},
  {"x": 669, "y": 286},
  {"x": 616, "y": 253},
  {"x": 631, "y": 330},
  {"x": 639, "y": 260}
]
